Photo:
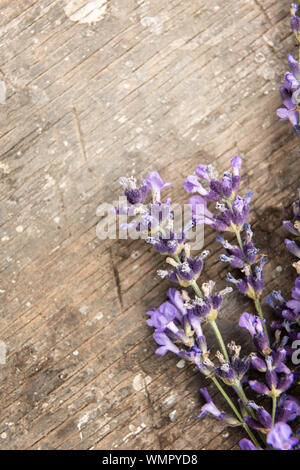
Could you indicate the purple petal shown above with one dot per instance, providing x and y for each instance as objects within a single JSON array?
[
  {"x": 280, "y": 437},
  {"x": 294, "y": 66},
  {"x": 259, "y": 387},
  {"x": 245, "y": 444},
  {"x": 236, "y": 163},
  {"x": 282, "y": 113},
  {"x": 154, "y": 182},
  {"x": 292, "y": 247},
  {"x": 192, "y": 185}
]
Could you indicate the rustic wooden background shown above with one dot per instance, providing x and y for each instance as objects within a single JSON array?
[{"x": 91, "y": 91}]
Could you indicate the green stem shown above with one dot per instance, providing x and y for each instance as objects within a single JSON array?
[
  {"x": 243, "y": 397},
  {"x": 238, "y": 237},
  {"x": 236, "y": 412},
  {"x": 219, "y": 338},
  {"x": 239, "y": 389},
  {"x": 176, "y": 257},
  {"x": 197, "y": 289},
  {"x": 274, "y": 400}
]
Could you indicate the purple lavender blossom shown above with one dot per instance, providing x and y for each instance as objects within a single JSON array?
[
  {"x": 175, "y": 330},
  {"x": 233, "y": 371},
  {"x": 263, "y": 421},
  {"x": 273, "y": 386},
  {"x": 290, "y": 94},
  {"x": 207, "y": 307},
  {"x": 294, "y": 228},
  {"x": 186, "y": 269},
  {"x": 217, "y": 190},
  {"x": 167, "y": 245},
  {"x": 252, "y": 284},
  {"x": 228, "y": 220},
  {"x": 254, "y": 325},
  {"x": 288, "y": 313},
  {"x": 236, "y": 257},
  {"x": 211, "y": 409},
  {"x": 156, "y": 184},
  {"x": 295, "y": 20},
  {"x": 281, "y": 437},
  {"x": 154, "y": 216},
  {"x": 287, "y": 410},
  {"x": 134, "y": 194},
  {"x": 245, "y": 444},
  {"x": 292, "y": 247}
]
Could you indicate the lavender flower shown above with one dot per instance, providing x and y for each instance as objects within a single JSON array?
[
  {"x": 269, "y": 360},
  {"x": 133, "y": 194},
  {"x": 295, "y": 20},
  {"x": 154, "y": 216},
  {"x": 207, "y": 307},
  {"x": 290, "y": 88},
  {"x": 233, "y": 370},
  {"x": 280, "y": 437},
  {"x": 211, "y": 409},
  {"x": 254, "y": 326},
  {"x": 288, "y": 313},
  {"x": 217, "y": 190},
  {"x": 252, "y": 284},
  {"x": 186, "y": 270},
  {"x": 175, "y": 331},
  {"x": 245, "y": 444},
  {"x": 233, "y": 211},
  {"x": 294, "y": 228}
]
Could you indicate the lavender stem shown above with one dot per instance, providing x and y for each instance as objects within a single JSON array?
[
  {"x": 236, "y": 412},
  {"x": 219, "y": 338}
]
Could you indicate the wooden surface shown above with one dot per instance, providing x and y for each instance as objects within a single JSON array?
[{"x": 160, "y": 84}]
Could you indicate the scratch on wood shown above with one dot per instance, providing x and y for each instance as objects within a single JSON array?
[
  {"x": 63, "y": 207},
  {"x": 152, "y": 415},
  {"x": 116, "y": 277},
  {"x": 263, "y": 11},
  {"x": 80, "y": 134}
]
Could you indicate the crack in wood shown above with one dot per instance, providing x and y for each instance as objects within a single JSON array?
[
  {"x": 263, "y": 11},
  {"x": 152, "y": 415},
  {"x": 116, "y": 278},
  {"x": 80, "y": 134}
]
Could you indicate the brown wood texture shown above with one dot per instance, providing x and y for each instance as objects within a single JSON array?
[{"x": 91, "y": 91}]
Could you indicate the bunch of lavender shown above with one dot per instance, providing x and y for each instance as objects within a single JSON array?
[
  {"x": 179, "y": 322},
  {"x": 231, "y": 217}
]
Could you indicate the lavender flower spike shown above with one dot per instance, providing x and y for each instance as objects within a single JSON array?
[{"x": 290, "y": 88}]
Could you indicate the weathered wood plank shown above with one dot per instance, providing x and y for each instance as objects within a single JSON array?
[{"x": 150, "y": 85}]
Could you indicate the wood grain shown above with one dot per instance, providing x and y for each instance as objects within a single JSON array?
[{"x": 159, "y": 85}]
